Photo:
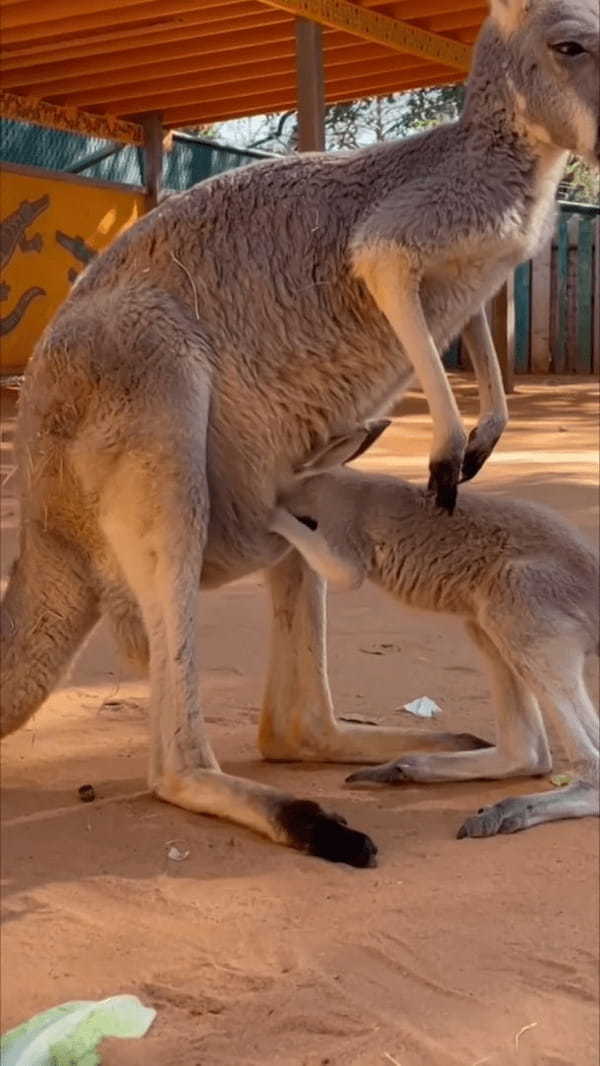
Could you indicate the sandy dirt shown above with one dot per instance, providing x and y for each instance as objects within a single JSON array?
[{"x": 449, "y": 953}]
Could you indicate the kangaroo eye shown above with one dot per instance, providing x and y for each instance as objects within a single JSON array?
[{"x": 568, "y": 48}]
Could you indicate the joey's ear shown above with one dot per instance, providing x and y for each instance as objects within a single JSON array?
[
  {"x": 509, "y": 13},
  {"x": 343, "y": 449}
]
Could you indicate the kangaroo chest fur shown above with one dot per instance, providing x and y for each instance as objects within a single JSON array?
[{"x": 269, "y": 249}]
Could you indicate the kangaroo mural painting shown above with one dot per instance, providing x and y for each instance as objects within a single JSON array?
[
  {"x": 48, "y": 236},
  {"x": 13, "y": 237},
  {"x": 78, "y": 249}
]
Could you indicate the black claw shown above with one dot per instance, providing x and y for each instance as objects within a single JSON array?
[
  {"x": 309, "y": 829},
  {"x": 443, "y": 481},
  {"x": 472, "y": 463}
]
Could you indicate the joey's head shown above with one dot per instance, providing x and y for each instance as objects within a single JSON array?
[
  {"x": 550, "y": 54},
  {"x": 319, "y": 512},
  {"x": 312, "y": 491}
]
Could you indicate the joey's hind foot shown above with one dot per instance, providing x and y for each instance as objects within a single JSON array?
[
  {"x": 508, "y": 816},
  {"x": 580, "y": 799}
]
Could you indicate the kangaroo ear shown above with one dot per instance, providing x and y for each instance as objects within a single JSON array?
[
  {"x": 509, "y": 13},
  {"x": 343, "y": 449}
]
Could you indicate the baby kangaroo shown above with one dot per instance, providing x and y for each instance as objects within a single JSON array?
[{"x": 523, "y": 580}]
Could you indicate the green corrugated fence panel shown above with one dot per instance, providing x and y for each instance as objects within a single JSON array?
[
  {"x": 522, "y": 317},
  {"x": 585, "y": 282},
  {"x": 559, "y": 355},
  {"x": 34, "y": 146},
  {"x": 451, "y": 358},
  {"x": 190, "y": 160}
]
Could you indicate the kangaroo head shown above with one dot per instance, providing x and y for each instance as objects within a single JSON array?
[{"x": 552, "y": 60}]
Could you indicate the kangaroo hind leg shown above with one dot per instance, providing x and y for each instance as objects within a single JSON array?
[
  {"x": 298, "y": 722},
  {"x": 554, "y": 670},
  {"x": 154, "y": 514},
  {"x": 521, "y": 746}
]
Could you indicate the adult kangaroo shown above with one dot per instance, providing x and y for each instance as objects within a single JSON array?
[{"x": 221, "y": 340}]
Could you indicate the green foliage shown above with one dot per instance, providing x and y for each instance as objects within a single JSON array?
[
  {"x": 351, "y": 125},
  {"x": 581, "y": 183},
  {"x": 430, "y": 107}
]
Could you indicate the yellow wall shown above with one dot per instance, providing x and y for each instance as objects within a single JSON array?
[{"x": 49, "y": 226}]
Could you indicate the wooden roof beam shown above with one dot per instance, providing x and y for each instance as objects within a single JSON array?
[
  {"x": 53, "y": 24},
  {"x": 199, "y": 115},
  {"x": 458, "y": 20},
  {"x": 199, "y": 61},
  {"x": 60, "y": 73},
  {"x": 258, "y": 68},
  {"x": 71, "y": 46},
  {"x": 373, "y": 26},
  {"x": 468, "y": 36},
  {"x": 193, "y": 28},
  {"x": 17, "y": 13},
  {"x": 40, "y": 113},
  {"x": 266, "y": 43},
  {"x": 239, "y": 89},
  {"x": 360, "y": 83},
  {"x": 412, "y": 9}
]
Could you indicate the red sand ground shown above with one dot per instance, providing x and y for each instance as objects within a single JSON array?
[{"x": 448, "y": 954}]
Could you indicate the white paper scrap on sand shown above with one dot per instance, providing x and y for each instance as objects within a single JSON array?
[
  {"x": 69, "y": 1035},
  {"x": 423, "y": 707}
]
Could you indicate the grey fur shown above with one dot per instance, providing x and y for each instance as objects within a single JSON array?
[
  {"x": 232, "y": 330},
  {"x": 523, "y": 580}
]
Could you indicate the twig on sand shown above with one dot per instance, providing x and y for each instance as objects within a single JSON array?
[
  {"x": 191, "y": 281},
  {"x": 525, "y": 1029},
  {"x": 6, "y": 472},
  {"x": 391, "y": 1058}
]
